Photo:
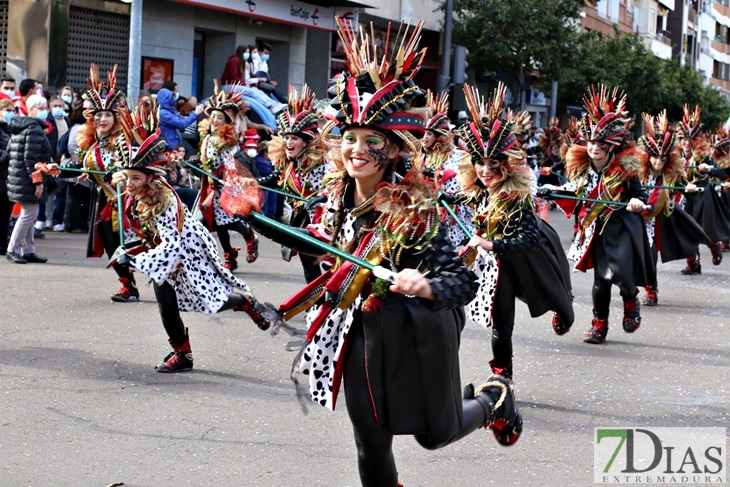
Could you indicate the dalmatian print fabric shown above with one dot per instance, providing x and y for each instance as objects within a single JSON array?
[
  {"x": 464, "y": 212},
  {"x": 651, "y": 222},
  {"x": 582, "y": 241},
  {"x": 322, "y": 354},
  {"x": 486, "y": 268},
  {"x": 188, "y": 261},
  {"x": 217, "y": 160}
]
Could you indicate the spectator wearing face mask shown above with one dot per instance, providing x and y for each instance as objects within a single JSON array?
[
  {"x": 67, "y": 96},
  {"x": 261, "y": 70},
  {"x": 234, "y": 78},
  {"x": 28, "y": 146},
  {"x": 50, "y": 214},
  {"x": 7, "y": 87}
]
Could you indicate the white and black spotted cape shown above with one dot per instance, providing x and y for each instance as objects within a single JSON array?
[{"x": 188, "y": 260}]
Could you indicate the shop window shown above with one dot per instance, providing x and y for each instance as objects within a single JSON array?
[{"x": 98, "y": 37}]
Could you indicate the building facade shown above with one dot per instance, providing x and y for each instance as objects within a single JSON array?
[{"x": 190, "y": 40}]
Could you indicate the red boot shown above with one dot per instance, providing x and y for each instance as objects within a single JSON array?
[
  {"x": 179, "y": 360},
  {"x": 596, "y": 334},
  {"x": 254, "y": 309},
  {"x": 651, "y": 298},
  {"x": 559, "y": 326},
  {"x": 128, "y": 292},
  {"x": 231, "y": 257},
  {"x": 632, "y": 318},
  {"x": 252, "y": 249},
  {"x": 716, "y": 251},
  {"x": 693, "y": 266}
]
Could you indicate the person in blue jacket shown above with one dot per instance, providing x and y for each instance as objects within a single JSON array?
[{"x": 172, "y": 122}]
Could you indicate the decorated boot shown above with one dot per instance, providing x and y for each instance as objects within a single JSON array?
[
  {"x": 501, "y": 415},
  {"x": 693, "y": 266},
  {"x": 651, "y": 298},
  {"x": 179, "y": 360},
  {"x": 716, "y": 251},
  {"x": 559, "y": 326},
  {"x": 632, "y": 318},
  {"x": 128, "y": 292},
  {"x": 596, "y": 334},
  {"x": 256, "y": 310},
  {"x": 231, "y": 257},
  {"x": 252, "y": 249}
]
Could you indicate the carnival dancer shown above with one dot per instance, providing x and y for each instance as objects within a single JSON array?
[
  {"x": 441, "y": 164},
  {"x": 721, "y": 156},
  {"x": 612, "y": 239},
  {"x": 217, "y": 154},
  {"x": 298, "y": 155},
  {"x": 96, "y": 139},
  {"x": 704, "y": 205},
  {"x": 670, "y": 230},
  {"x": 514, "y": 254},
  {"x": 549, "y": 163},
  {"x": 396, "y": 346},
  {"x": 570, "y": 137},
  {"x": 173, "y": 249}
]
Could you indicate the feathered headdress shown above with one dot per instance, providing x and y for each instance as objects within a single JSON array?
[
  {"x": 103, "y": 95},
  {"x": 300, "y": 119},
  {"x": 690, "y": 127},
  {"x": 377, "y": 87},
  {"x": 606, "y": 120},
  {"x": 551, "y": 135},
  {"x": 488, "y": 136},
  {"x": 439, "y": 120},
  {"x": 659, "y": 140},
  {"x": 228, "y": 102},
  {"x": 572, "y": 131},
  {"x": 141, "y": 145}
]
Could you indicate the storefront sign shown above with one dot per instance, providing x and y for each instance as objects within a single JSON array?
[{"x": 288, "y": 12}]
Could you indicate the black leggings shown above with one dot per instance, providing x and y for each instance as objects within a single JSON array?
[
  {"x": 170, "y": 312},
  {"x": 602, "y": 295},
  {"x": 241, "y": 227},
  {"x": 503, "y": 321},
  {"x": 110, "y": 239},
  {"x": 374, "y": 442}
]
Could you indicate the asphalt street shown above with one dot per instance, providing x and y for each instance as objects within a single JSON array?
[{"x": 81, "y": 404}]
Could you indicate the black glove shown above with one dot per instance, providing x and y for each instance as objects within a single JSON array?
[
  {"x": 447, "y": 198},
  {"x": 270, "y": 181},
  {"x": 543, "y": 192},
  {"x": 429, "y": 173},
  {"x": 125, "y": 260},
  {"x": 314, "y": 201},
  {"x": 108, "y": 175}
]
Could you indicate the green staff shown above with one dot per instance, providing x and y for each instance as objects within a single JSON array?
[
  {"x": 377, "y": 270},
  {"x": 456, "y": 218},
  {"x": 74, "y": 169},
  {"x": 120, "y": 215},
  {"x": 591, "y": 200}
]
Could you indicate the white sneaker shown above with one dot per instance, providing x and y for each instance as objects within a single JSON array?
[
  {"x": 39, "y": 226},
  {"x": 48, "y": 225},
  {"x": 278, "y": 108},
  {"x": 59, "y": 228}
]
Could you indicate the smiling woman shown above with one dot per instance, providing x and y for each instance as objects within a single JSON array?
[{"x": 394, "y": 344}]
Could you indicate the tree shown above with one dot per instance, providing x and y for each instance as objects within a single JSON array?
[
  {"x": 517, "y": 38},
  {"x": 651, "y": 84}
]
